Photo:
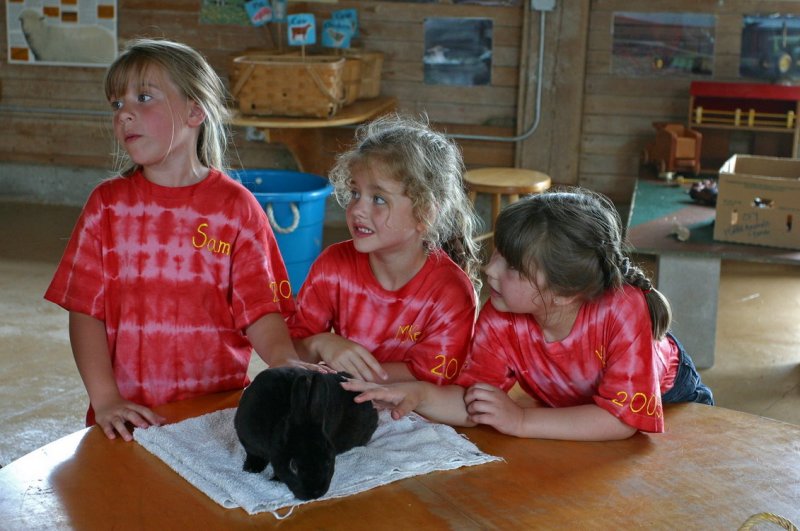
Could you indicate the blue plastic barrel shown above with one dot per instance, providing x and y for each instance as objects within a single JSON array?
[{"x": 295, "y": 205}]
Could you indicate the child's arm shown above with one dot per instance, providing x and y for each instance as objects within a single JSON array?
[
  {"x": 491, "y": 405},
  {"x": 486, "y": 404},
  {"x": 342, "y": 354},
  {"x": 90, "y": 348},
  {"x": 398, "y": 371},
  {"x": 438, "y": 403},
  {"x": 269, "y": 337}
]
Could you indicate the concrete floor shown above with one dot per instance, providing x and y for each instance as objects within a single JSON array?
[{"x": 42, "y": 398}]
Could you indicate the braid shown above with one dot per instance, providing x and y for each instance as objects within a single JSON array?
[
  {"x": 657, "y": 305},
  {"x": 608, "y": 266},
  {"x": 617, "y": 270},
  {"x": 633, "y": 274}
]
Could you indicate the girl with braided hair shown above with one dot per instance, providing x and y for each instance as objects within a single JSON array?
[
  {"x": 398, "y": 301},
  {"x": 574, "y": 322}
]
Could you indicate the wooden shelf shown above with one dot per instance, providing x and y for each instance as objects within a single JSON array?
[
  {"x": 707, "y": 125},
  {"x": 746, "y": 107}
]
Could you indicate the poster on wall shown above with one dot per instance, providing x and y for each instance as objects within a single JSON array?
[
  {"x": 55, "y": 32},
  {"x": 458, "y": 51},
  {"x": 225, "y": 12},
  {"x": 771, "y": 48},
  {"x": 244, "y": 12},
  {"x": 489, "y": 2},
  {"x": 663, "y": 44}
]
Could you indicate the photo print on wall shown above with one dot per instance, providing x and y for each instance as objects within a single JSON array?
[
  {"x": 663, "y": 44},
  {"x": 458, "y": 51},
  {"x": 771, "y": 48},
  {"x": 56, "y": 33}
]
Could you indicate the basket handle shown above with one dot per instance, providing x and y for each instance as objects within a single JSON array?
[
  {"x": 242, "y": 80},
  {"x": 284, "y": 230},
  {"x": 321, "y": 86}
]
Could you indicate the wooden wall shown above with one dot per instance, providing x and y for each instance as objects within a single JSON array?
[
  {"x": 58, "y": 115},
  {"x": 618, "y": 111},
  {"x": 593, "y": 124}
]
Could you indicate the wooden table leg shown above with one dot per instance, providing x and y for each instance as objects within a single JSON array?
[{"x": 691, "y": 284}]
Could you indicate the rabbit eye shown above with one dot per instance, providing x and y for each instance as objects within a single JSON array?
[{"x": 293, "y": 466}]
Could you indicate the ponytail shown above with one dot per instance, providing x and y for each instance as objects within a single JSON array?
[{"x": 657, "y": 304}]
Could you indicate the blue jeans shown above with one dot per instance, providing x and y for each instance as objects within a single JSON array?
[{"x": 687, "y": 387}]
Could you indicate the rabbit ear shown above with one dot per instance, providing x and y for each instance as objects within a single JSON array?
[
  {"x": 301, "y": 388},
  {"x": 319, "y": 397}
]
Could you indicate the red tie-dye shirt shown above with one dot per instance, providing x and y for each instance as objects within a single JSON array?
[
  {"x": 176, "y": 275},
  {"x": 609, "y": 358},
  {"x": 427, "y": 323}
]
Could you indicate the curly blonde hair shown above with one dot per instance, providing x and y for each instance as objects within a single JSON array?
[{"x": 431, "y": 168}]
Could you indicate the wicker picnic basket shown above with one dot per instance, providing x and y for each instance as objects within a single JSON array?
[
  {"x": 351, "y": 75},
  {"x": 352, "y": 79},
  {"x": 287, "y": 85},
  {"x": 371, "y": 68}
]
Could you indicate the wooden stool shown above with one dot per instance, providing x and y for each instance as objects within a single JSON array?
[{"x": 511, "y": 182}]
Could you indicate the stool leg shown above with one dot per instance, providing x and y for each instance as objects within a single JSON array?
[
  {"x": 496, "y": 205},
  {"x": 496, "y": 198}
]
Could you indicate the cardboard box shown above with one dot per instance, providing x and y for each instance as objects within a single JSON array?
[{"x": 759, "y": 201}]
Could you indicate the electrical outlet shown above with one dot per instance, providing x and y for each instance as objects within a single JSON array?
[{"x": 543, "y": 5}]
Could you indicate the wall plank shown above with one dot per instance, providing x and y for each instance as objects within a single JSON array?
[
  {"x": 593, "y": 123},
  {"x": 396, "y": 29},
  {"x": 618, "y": 110}
]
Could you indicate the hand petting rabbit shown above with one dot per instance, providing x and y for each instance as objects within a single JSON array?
[{"x": 299, "y": 420}]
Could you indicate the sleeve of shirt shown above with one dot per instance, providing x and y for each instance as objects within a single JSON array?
[
  {"x": 315, "y": 307},
  {"x": 259, "y": 280},
  {"x": 630, "y": 386},
  {"x": 78, "y": 281},
  {"x": 488, "y": 360},
  {"x": 438, "y": 356}
]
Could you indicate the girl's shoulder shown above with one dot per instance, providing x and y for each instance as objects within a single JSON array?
[
  {"x": 625, "y": 297},
  {"x": 117, "y": 182},
  {"x": 490, "y": 315},
  {"x": 503, "y": 326},
  {"x": 340, "y": 250},
  {"x": 222, "y": 182},
  {"x": 622, "y": 306},
  {"x": 111, "y": 189},
  {"x": 441, "y": 275},
  {"x": 340, "y": 264},
  {"x": 221, "y": 188},
  {"x": 340, "y": 257}
]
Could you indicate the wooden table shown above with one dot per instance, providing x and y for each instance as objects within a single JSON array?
[
  {"x": 712, "y": 469},
  {"x": 307, "y": 138},
  {"x": 688, "y": 271}
]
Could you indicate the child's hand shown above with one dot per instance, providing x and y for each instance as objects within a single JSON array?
[
  {"x": 114, "y": 418},
  {"x": 487, "y": 404},
  {"x": 399, "y": 398},
  {"x": 345, "y": 355}
]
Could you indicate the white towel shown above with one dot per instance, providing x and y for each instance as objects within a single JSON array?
[{"x": 207, "y": 453}]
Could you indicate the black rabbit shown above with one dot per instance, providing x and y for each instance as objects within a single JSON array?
[{"x": 299, "y": 420}]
